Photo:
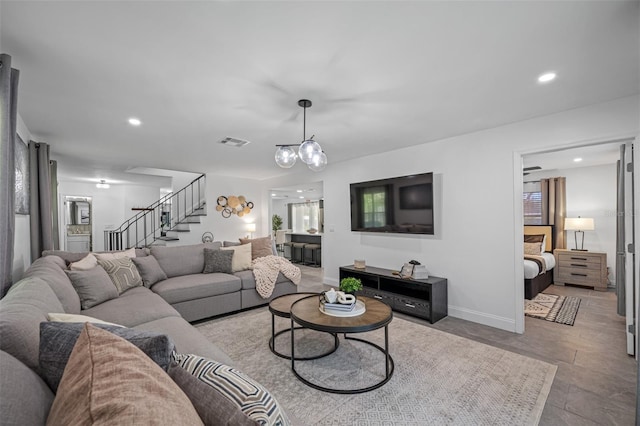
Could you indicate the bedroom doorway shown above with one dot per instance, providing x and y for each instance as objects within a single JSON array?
[{"x": 592, "y": 192}]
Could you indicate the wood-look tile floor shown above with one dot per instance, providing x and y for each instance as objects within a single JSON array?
[{"x": 596, "y": 380}]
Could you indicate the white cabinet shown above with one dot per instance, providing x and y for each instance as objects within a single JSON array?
[{"x": 79, "y": 243}]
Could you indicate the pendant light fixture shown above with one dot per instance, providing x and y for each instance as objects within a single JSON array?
[{"x": 309, "y": 150}]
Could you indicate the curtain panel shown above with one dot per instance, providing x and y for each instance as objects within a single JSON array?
[
  {"x": 8, "y": 116},
  {"x": 554, "y": 207},
  {"x": 40, "y": 199}
]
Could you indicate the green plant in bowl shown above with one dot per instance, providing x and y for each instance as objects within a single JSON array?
[{"x": 350, "y": 284}]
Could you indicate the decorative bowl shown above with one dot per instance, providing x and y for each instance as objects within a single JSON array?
[{"x": 312, "y": 231}]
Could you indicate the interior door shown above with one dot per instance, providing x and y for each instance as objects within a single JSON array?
[{"x": 625, "y": 250}]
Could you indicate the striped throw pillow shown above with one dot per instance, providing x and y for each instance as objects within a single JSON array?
[{"x": 249, "y": 396}]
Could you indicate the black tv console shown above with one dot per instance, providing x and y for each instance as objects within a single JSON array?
[{"x": 421, "y": 298}]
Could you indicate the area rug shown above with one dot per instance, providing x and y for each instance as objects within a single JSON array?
[
  {"x": 551, "y": 307},
  {"x": 439, "y": 379}
]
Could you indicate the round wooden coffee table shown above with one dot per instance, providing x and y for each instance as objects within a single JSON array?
[
  {"x": 307, "y": 314},
  {"x": 281, "y": 307}
]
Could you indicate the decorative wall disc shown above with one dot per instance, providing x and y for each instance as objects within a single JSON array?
[{"x": 230, "y": 205}]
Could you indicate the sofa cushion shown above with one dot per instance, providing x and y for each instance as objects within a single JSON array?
[
  {"x": 57, "y": 340},
  {"x": 110, "y": 381},
  {"x": 112, "y": 255},
  {"x": 187, "y": 338},
  {"x": 241, "y": 257},
  {"x": 260, "y": 247},
  {"x": 126, "y": 309},
  {"x": 249, "y": 280},
  {"x": 69, "y": 256},
  {"x": 149, "y": 269},
  {"x": 25, "y": 399},
  {"x": 93, "y": 286},
  {"x": 22, "y": 310},
  {"x": 213, "y": 407},
  {"x": 86, "y": 263},
  {"x": 217, "y": 261},
  {"x": 249, "y": 396},
  {"x": 196, "y": 286},
  {"x": 122, "y": 272},
  {"x": 51, "y": 270},
  {"x": 182, "y": 260}
]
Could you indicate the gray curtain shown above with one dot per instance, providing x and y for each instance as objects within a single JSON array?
[
  {"x": 54, "y": 204},
  {"x": 554, "y": 207},
  {"x": 8, "y": 115},
  {"x": 621, "y": 273},
  {"x": 40, "y": 199}
]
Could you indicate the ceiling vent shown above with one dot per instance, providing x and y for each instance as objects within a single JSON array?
[{"x": 238, "y": 143}]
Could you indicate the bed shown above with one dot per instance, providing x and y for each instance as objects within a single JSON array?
[{"x": 535, "y": 279}]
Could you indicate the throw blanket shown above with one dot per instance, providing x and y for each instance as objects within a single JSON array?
[
  {"x": 266, "y": 269},
  {"x": 542, "y": 264}
]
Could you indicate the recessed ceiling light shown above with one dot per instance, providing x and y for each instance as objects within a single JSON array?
[
  {"x": 302, "y": 196},
  {"x": 135, "y": 121},
  {"x": 273, "y": 195},
  {"x": 298, "y": 190},
  {"x": 577, "y": 160},
  {"x": 546, "y": 77}
]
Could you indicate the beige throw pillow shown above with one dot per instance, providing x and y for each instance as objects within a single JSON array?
[
  {"x": 532, "y": 248},
  {"x": 84, "y": 264},
  {"x": 108, "y": 380},
  {"x": 260, "y": 247},
  {"x": 116, "y": 254},
  {"x": 241, "y": 257},
  {"x": 59, "y": 317}
]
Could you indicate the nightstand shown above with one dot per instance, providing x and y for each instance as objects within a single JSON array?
[{"x": 585, "y": 268}]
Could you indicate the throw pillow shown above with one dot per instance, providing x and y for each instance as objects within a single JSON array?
[
  {"x": 260, "y": 247},
  {"x": 537, "y": 238},
  {"x": 532, "y": 248},
  {"x": 59, "y": 317},
  {"x": 241, "y": 257},
  {"x": 57, "y": 340},
  {"x": 122, "y": 272},
  {"x": 218, "y": 261},
  {"x": 149, "y": 269},
  {"x": 86, "y": 263},
  {"x": 213, "y": 407},
  {"x": 249, "y": 397},
  {"x": 116, "y": 254},
  {"x": 93, "y": 286},
  {"x": 110, "y": 381}
]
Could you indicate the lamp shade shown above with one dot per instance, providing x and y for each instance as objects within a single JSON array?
[
  {"x": 251, "y": 227},
  {"x": 579, "y": 224},
  {"x": 285, "y": 157}
]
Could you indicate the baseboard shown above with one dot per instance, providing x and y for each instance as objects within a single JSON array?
[{"x": 502, "y": 323}]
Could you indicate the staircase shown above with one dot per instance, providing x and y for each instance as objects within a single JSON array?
[{"x": 162, "y": 221}]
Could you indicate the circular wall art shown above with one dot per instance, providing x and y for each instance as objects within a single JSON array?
[{"x": 230, "y": 205}]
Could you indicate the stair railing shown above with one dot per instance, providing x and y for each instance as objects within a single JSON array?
[{"x": 148, "y": 225}]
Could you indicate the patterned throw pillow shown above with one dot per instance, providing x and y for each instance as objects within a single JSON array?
[
  {"x": 122, "y": 272},
  {"x": 532, "y": 248},
  {"x": 93, "y": 286},
  {"x": 110, "y": 381},
  {"x": 250, "y": 397},
  {"x": 218, "y": 261}
]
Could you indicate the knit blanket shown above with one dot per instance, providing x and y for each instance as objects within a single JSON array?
[{"x": 266, "y": 270}]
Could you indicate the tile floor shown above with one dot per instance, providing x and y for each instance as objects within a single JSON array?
[{"x": 596, "y": 380}]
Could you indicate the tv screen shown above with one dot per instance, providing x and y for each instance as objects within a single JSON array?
[{"x": 401, "y": 205}]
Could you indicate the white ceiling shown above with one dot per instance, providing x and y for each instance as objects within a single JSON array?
[{"x": 381, "y": 75}]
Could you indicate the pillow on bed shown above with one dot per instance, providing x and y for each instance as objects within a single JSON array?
[
  {"x": 537, "y": 238},
  {"x": 533, "y": 248}
]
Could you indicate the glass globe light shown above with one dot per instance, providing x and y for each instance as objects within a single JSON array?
[
  {"x": 308, "y": 149},
  {"x": 318, "y": 162},
  {"x": 285, "y": 157}
]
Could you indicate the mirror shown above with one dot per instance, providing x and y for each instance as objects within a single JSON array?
[{"x": 78, "y": 210}]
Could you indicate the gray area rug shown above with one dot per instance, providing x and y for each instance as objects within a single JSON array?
[
  {"x": 551, "y": 307},
  {"x": 439, "y": 379}
]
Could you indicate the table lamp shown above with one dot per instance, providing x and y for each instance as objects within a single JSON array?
[
  {"x": 579, "y": 225},
  {"x": 251, "y": 228}
]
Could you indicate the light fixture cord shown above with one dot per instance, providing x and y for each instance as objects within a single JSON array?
[{"x": 304, "y": 124}]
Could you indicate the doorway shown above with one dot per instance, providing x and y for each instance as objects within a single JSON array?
[{"x": 78, "y": 219}]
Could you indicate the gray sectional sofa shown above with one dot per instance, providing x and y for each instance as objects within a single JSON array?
[{"x": 166, "y": 307}]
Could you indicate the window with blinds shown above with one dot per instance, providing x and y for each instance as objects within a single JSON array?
[{"x": 532, "y": 203}]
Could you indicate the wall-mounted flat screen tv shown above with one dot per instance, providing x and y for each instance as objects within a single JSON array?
[{"x": 402, "y": 205}]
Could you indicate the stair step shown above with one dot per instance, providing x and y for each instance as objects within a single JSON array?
[
  {"x": 191, "y": 219},
  {"x": 167, "y": 239}
]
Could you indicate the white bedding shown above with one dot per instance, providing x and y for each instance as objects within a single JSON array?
[{"x": 531, "y": 269}]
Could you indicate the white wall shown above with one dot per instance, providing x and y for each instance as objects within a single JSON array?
[
  {"x": 234, "y": 227},
  {"x": 110, "y": 207},
  {"x": 279, "y": 207},
  {"x": 474, "y": 248},
  {"x": 591, "y": 192},
  {"x": 22, "y": 235}
]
